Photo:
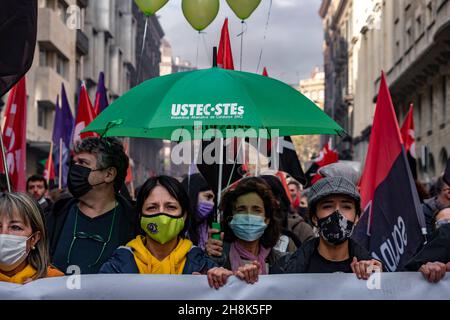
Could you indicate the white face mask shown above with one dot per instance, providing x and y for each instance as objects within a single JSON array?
[{"x": 13, "y": 251}]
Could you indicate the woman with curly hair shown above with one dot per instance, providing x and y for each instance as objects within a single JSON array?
[{"x": 252, "y": 225}]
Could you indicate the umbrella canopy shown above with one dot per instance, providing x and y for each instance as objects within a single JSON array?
[{"x": 219, "y": 98}]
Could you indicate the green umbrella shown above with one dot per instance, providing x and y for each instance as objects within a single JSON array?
[{"x": 219, "y": 98}]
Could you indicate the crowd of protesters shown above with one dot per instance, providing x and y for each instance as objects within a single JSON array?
[{"x": 266, "y": 227}]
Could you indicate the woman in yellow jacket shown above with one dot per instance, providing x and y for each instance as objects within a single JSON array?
[
  {"x": 23, "y": 245},
  {"x": 163, "y": 247}
]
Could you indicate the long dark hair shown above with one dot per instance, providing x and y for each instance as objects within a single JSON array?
[
  {"x": 193, "y": 185},
  {"x": 285, "y": 205},
  {"x": 253, "y": 185},
  {"x": 175, "y": 189}
]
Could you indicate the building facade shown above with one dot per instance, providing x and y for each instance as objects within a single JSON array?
[
  {"x": 76, "y": 40},
  {"x": 412, "y": 46},
  {"x": 308, "y": 146},
  {"x": 410, "y": 41}
]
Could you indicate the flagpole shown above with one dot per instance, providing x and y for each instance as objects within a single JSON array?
[
  {"x": 60, "y": 165},
  {"x": 257, "y": 156},
  {"x": 49, "y": 165},
  {"x": 5, "y": 164}
]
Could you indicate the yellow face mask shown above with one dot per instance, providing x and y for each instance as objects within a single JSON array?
[{"x": 162, "y": 227}]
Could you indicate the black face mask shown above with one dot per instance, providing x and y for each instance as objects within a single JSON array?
[
  {"x": 335, "y": 228},
  {"x": 302, "y": 211},
  {"x": 78, "y": 182}
]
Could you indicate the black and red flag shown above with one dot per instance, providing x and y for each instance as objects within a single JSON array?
[
  {"x": 18, "y": 29},
  {"x": 326, "y": 156},
  {"x": 392, "y": 225}
]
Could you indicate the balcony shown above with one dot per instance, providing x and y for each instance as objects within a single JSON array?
[
  {"x": 53, "y": 34},
  {"x": 82, "y": 43},
  {"x": 48, "y": 85}
]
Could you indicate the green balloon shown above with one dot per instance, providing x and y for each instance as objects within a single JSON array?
[
  {"x": 200, "y": 13},
  {"x": 149, "y": 7},
  {"x": 243, "y": 8}
]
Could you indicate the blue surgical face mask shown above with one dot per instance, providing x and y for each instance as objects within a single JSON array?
[{"x": 248, "y": 227}]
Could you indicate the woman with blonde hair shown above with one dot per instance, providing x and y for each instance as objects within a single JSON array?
[{"x": 24, "y": 252}]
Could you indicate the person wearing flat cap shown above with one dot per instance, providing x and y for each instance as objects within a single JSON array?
[{"x": 334, "y": 208}]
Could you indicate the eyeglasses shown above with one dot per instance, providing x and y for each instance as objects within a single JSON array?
[{"x": 95, "y": 237}]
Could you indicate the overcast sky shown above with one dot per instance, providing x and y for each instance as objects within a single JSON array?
[{"x": 292, "y": 48}]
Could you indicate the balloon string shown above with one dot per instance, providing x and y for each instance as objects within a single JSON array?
[
  {"x": 242, "y": 40},
  {"x": 206, "y": 48},
  {"x": 142, "y": 50},
  {"x": 265, "y": 35},
  {"x": 196, "y": 56}
]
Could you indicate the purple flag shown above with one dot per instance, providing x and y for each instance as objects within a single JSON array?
[
  {"x": 62, "y": 132},
  {"x": 101, "y": 100}
]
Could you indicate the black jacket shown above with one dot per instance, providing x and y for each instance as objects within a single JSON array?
[
  {"x": 436, "y": 250},
  {"x": 299, "y": 261},
  {"x": 56, "y": 219}
]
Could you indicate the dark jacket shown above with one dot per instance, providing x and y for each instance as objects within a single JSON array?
[
  {"x": 436, "y": 250},
  {"x": 299, "y": 261},
  {"x": 224, "y": 261},
  {"x": 122, "y": 261},
  {"x": 46, "y": 206},
  {"x": 56, "y": 219},
  {"x": 430, "y": 207},
  {"x": 298, "y": 226}
]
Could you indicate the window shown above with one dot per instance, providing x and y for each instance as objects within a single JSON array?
[
  {"x": 419, "y": 114},
  {"x": 61, "y": 65},
  {"x": 419, "y": 25},
  {"x": 444, "y": 99},
  {"x": 42, "y": 116},
  {"x": 430, "y": 114},
  {"x": 409, "y": 37},
  {"x": 61, "y": 9},
  {"x": 43, "y": 58},
  {"x": 429, "y": 11}
]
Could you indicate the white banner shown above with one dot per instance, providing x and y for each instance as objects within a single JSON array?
[{"x": 405, "y": 285}]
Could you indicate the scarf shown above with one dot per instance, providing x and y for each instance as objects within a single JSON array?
[
  {"x": 238, "y": 253},
  {"x": 148, "y": 264},
  {"x": 202, "y": 234},
  {"x": 28, "y": 273}
]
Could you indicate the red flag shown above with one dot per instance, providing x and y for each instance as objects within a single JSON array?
[
  {"x": 49, "y": 171},
  {"x": 224, "y": 54},
  {"x": 390, "y": 227},
  {"x": 327, "y": 156},
  {"x": 265, "y": 73},
  {"x": 85, "y": 115},
  {"x": 14, "y": 135},
  {"x": 407, "y": 132},
  {"x": 385, "y": 128}
]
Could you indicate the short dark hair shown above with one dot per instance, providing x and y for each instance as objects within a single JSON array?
[
  {"x": 253, "y": 185},
  {"x": 110, "y": 153},
  {"x": 440, "y": 185},
  {"x": 295, "y": 183},
  {"x": 37, "y": 177},
  {"x": 175, "y": 189}
]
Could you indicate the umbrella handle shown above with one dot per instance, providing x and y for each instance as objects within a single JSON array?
[{"x": 216, "y": 225}]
